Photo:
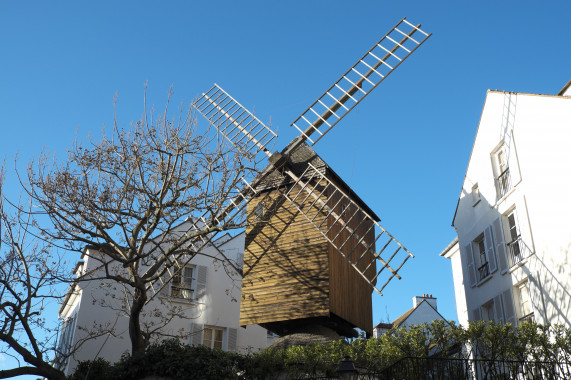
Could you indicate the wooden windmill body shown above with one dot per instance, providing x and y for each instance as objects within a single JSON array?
[
  {"x": 292, "y": 275},
  {"x": 314, "y": 250}
]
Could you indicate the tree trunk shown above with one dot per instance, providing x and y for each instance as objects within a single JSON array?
[{"x": 138, "y": 341}]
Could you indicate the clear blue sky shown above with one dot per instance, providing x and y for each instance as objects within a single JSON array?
[{"x": 404, "y": 149}]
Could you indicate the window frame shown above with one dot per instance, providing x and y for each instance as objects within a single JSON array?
[
  {"x": 514, "y": 243},
  {"x": 483, "y": 266},
  {"x": 213, "y": 341},
  {"x": 189, "y": 287},
  {"x": 522, "y": 313}
]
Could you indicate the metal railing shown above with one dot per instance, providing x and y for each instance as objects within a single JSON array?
[
  {"x": 528, "y": 317},
  {"x": 515, "y": 251},
  {"x": 504, "y": 183},
  {"x": 475, "y": 369},
  {"x": 483, "y": 271}
]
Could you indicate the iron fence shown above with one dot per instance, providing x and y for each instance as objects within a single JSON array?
[{"x": 474, "y": 369}]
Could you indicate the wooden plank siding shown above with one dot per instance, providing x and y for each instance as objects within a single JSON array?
[
  {"x": 349, "y": 292},
  {"x": 286, "y": 264}
]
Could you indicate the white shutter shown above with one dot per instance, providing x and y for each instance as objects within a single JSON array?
[
  {"x": 196, "y": 332},
  {"x": 499, "y": 311},
  {"x": 232, "y": 339},
  {"x": 200, "y": 283},
  {"x": 471, "y": 268},
  {"x": 500, "y": 246},
  {"x": 489, "y": 243},
  {"x": 509, "y": 310}
]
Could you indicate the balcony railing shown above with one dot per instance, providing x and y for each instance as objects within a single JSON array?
[
  {"x": 504, "y": 183},
  {"x": 515, "y": 251},
  {"x": 528, "y": 317},
  {"x": 483, "y": 271}
]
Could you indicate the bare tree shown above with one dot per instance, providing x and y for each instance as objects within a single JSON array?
[
  {"x": 142, "y": 197},
  {"x": 30, "y": 272}
]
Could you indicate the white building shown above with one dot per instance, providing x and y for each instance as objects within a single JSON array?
[
  {"x": 424, "y": 310},
  {"x": 205, "y": 296},
  {"x": 512, "y": 258}
]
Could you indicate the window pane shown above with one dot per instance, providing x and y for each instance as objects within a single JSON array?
[
  {"x": 207, "y": 339},
  {"x": 188, "y": 276},
  {"x": 218, "y": 338}
]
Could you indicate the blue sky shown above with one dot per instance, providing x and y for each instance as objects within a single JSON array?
[{"x": 404, "y": 149}]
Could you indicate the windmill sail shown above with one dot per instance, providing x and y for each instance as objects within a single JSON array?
[
  {"x": 234, "y": 122},
  {"x": 347, "y": 227},
  {"x": 365, "y": 75}
]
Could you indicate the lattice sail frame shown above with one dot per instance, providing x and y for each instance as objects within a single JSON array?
[
  {"x": 362, "y": 78},
  {"x": 305, "y": 189},
  {"x": 234, "y": 122}
]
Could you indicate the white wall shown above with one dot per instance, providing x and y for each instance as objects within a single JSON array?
[
  {"x": 538, "y": 130},
  {"x": 101, "y": 303},
  {"x": 424, "y": 313}
]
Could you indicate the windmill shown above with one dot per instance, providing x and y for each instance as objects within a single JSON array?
[{"x": 310, "y": 255}]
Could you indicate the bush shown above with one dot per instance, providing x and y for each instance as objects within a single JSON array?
[{"x": 488, "y": 340}]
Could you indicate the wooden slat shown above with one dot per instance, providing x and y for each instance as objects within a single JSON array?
[
  {"x": 349, "y": 292},
  {"x": 286, "y": 265}
]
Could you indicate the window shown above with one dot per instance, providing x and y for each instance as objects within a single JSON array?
[
  {"x": 213, "y": 337},
  {"x": 480, "y": 257},
  {"x": 503, "y": 179},
  {"x": 483, "y": 266},
  {"x": 223, "y": 338},
  {"x": 65, "y": 342},
  {"x": 525, "y": 308},
  {"x": 487, "y": 311},
  {"x": 514, "y": 245},
  {"x": 182, "y": 285}
]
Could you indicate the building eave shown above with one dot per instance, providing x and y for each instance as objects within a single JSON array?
[{"x": 449, "y": 247}]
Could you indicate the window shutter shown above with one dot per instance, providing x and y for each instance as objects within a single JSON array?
[
  {"x": 500, "y": 246},
  {"x": 476, "y": 313},
  {"x": 232, "y": 339},
  {"x": 499, "y": 316},
  {"x": 200, "y": 283},
  {"x": 471, "y": 269},
  {"x": 196, "y": 332},
  {"x": 509, "y": 307},
  {"x": 489, "y": 243}
]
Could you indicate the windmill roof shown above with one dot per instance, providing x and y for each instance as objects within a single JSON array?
[{"x": 298, "y": 161}]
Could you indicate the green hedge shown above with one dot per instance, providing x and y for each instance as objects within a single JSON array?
[{"x": 494, "y": 341}]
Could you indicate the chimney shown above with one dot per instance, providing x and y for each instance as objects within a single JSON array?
[{"x": 428, "y": 297}]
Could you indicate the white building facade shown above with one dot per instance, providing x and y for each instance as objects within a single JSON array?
[
  {"x": 424, "y": 310},
  {"x": 204, "y": 299},
  {"x": 511, "y": 260}
]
